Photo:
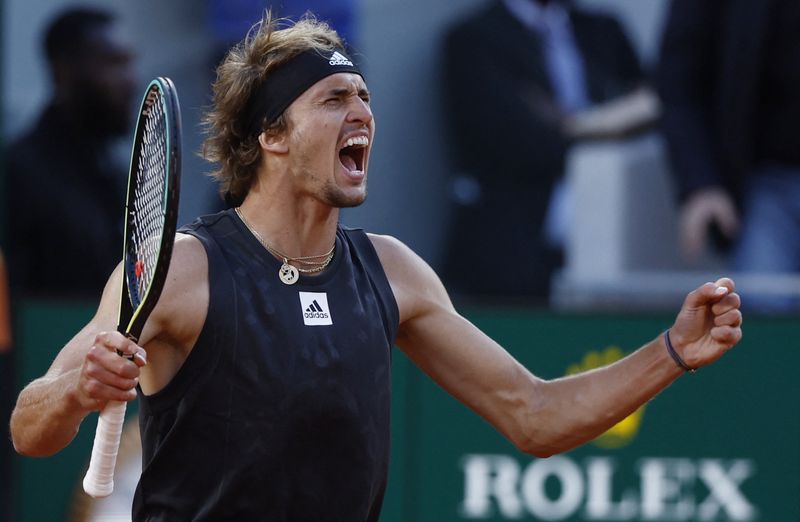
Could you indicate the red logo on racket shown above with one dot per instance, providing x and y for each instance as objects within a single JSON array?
[{"x": 139, "y": 267}]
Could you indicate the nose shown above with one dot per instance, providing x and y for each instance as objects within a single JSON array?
[{"x": 360, "y": 112}]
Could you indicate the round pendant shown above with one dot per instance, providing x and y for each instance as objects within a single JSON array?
[{"x": 288, "y": 274}]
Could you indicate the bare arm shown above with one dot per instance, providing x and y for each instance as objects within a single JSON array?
[
  {"x": 88, "y": 372},
  {"x": 85, "y": 375},
  {"x": 545, "y": 417}
]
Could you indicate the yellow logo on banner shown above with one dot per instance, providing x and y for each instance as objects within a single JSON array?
[{"x": 622, "y": 433}]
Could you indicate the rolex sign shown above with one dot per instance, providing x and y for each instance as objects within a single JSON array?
[{"x": 506, "y": 487}]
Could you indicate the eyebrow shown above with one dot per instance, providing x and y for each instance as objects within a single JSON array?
[{"x": 343, "y": 91}]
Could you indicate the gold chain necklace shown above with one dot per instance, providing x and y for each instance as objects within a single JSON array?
[{"x": 288, "y": 273}]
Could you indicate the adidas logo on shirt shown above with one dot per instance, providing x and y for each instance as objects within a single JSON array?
[
  {"x": 315, "y": 310},
  {"x": 338, "y": 58}
]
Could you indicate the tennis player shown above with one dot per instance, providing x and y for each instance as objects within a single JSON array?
[{"x": 264, "y": 371}]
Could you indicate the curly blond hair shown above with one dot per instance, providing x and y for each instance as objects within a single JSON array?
[{"x": 230, "y": 143}]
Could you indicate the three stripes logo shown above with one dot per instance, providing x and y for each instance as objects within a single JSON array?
[
  {"x": 315, "y": 310},
  {"x": 338, "y": 58}
]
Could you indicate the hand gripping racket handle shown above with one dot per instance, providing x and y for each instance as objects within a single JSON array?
[{"x": 99, "y": 480}]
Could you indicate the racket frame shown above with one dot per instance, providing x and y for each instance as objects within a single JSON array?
[{"x": 131, "y": 321}]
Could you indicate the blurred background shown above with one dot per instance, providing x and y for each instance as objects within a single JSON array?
[{"x": 570, "y": 168}]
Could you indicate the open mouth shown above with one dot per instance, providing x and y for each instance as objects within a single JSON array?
[{"x": 353, "y": 152}]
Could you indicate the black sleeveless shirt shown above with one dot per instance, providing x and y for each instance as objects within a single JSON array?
[{"x": 281, "y": 410}]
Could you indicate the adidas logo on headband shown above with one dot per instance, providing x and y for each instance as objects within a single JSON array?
[{"x": 339, "y": 59}]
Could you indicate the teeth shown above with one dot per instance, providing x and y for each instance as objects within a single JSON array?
[{"x": 358, "y": 140}]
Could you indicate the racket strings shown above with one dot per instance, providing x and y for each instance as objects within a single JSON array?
[{"x": 148, "y": 206}]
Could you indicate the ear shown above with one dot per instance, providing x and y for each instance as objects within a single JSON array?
[{"x": 275, "y": 143}]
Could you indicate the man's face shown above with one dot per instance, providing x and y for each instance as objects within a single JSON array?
[
  {"x": 107, "y": 68},
  {"x": 329, "y": 138}
]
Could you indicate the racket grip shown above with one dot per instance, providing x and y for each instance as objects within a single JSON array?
[{"x": 99, "y": 479}]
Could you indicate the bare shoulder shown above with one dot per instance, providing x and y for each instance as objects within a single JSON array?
[
  {"x": 393, "y": 253},
  {"x": 402, "y": 265},
  {"x": 415, "y": 284},
  {"x": 181, "y": 309},
  {"x": 189, "y": 264}
]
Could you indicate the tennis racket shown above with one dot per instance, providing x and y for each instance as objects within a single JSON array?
[{"x": 151, "y": 213}]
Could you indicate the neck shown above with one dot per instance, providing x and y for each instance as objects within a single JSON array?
[{"x": 296, "y": 227}]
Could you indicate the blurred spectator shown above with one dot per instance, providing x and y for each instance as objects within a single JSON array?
[
  {"x": 65, "y": 191},
  {"x": 729, "y": 78},
  {"x": 524, "y": 79}
]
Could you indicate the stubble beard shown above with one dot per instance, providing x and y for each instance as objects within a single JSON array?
[
  {"x": 335, "y": 197},
  {"x": 331, "y": 194}
]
